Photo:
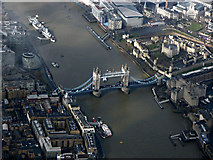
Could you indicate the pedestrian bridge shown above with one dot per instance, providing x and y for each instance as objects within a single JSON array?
[{"x": 94, "y": 85}]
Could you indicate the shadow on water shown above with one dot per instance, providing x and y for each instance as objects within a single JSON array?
[{"x": 98, "y": 143}]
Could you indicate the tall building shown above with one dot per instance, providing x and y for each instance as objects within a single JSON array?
[
  {"x": 99, "y": 13},
  {"x": 30, "y": 61},
  {"x": 168, "y": 13},
  {"x": 114, "y": 22},
  {"x": 190, "y": 9},
  {"x": 182, "y": 89},
  {"x": 170, "y": 50},
  {"x": 195, "y": 10}
]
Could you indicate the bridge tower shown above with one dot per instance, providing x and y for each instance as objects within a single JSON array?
[
  {"x": 96, "y": 82},
  {"x": 61, "y": 89},
  {"x": 159, "y": 77},
  {"x": 125, "y": 79}
]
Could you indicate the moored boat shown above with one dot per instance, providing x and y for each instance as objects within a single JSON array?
[
  {"x": 102, "y": 128},
  {"x": 41, "y": 28}
]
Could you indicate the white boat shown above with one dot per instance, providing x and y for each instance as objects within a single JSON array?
[
  {"x": 48, "y": 35},
  {"x": 203, "y": 102},
  {"x": 207, "y": 100},
  {"x": 102, "y": 128},
  {"x": 106, "y": 130},
  {"x": 54, "y": 64},
  {"x": 35, "y": 22},
  {"x": 41, "y": 28}
]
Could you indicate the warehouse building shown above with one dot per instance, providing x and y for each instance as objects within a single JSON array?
[{"x": 130, "y": 15}]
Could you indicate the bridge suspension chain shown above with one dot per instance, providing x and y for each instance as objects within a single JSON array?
[
  {"x": 80, "y": 85},
  {"x": 87, "y": 86},
  {"x": 140, "y": 81},
  {"x": 82, "y": 88}
]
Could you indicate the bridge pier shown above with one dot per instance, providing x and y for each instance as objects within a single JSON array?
[
  {"x": 96, "y": 82},
  {"x": 125, "y": 79},
  {"x": 96, "y": 93},
  {"x": 125, "y": 90},
  {"x": 159, "y": 77}
]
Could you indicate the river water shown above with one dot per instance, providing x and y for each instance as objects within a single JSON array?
[{"x": 135, "y": 119}]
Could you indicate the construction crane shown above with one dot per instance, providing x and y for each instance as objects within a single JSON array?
[{"x": 166, "y": 5}]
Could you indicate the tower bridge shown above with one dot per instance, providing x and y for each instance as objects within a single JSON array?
[{"x": 94, "y": 85}]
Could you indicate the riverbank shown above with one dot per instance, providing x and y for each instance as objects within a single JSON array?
[
  {"x": 132, "y": 57},
  {"x": 25, "y": 45}
]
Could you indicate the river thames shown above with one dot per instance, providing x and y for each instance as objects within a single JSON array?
[{"x": 135, "y": 119}]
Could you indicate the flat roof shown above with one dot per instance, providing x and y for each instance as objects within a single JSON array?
[
  {"x": 107, "y": 5},
  {"x": 98, "y": 7},
  {"x": 184, "y": 5},
  {"x": 129, "y": 13},
  {"x": 119, "y": 3}
]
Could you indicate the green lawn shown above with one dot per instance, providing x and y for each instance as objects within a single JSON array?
[
  {"x": 162, "y": 59},
  {"x": 134, "y": 35},
  {"x": 156, "y": 55},
  {"x": 195, "y": 26},
  {"x": 152, "y": 46}
]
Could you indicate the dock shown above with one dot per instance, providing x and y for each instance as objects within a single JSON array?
[
  {"x": 100, "y": 39},
  {"x": 153, "y": 91},
  {"x": 157, "y": 101},
  {"x": 164, "y": 101},
  {"x": 172, "y": 141},
  {"x": 178, "y": 137}
]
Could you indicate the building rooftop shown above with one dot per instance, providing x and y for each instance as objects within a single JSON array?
[
  {"x": 119, "y": 3},
  {"x": 48, "y": 124},
  {"x": 37, "y": 97},
  {"x": 171, "y": 46},
  {"x": 90, "y": 139},
  {"x": 183, "y": 5},
  {"x": 72, "y": 125},
  {"x": 107, "y": 5},
  {"x": 168, "y": 10},
  {"x": 65, "y": 136},
  {"x": 38, "y": 128},
  {"x": 198, "y": 6},
  {"x": 48, "y": 146},
  {"x": 98, "y": 7},
  {"x": 205, "y": 114},
  {"x": 129, "y": 12},
  {"x": 198, "y": 72},
  {"x": 81, "y": 118}
]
